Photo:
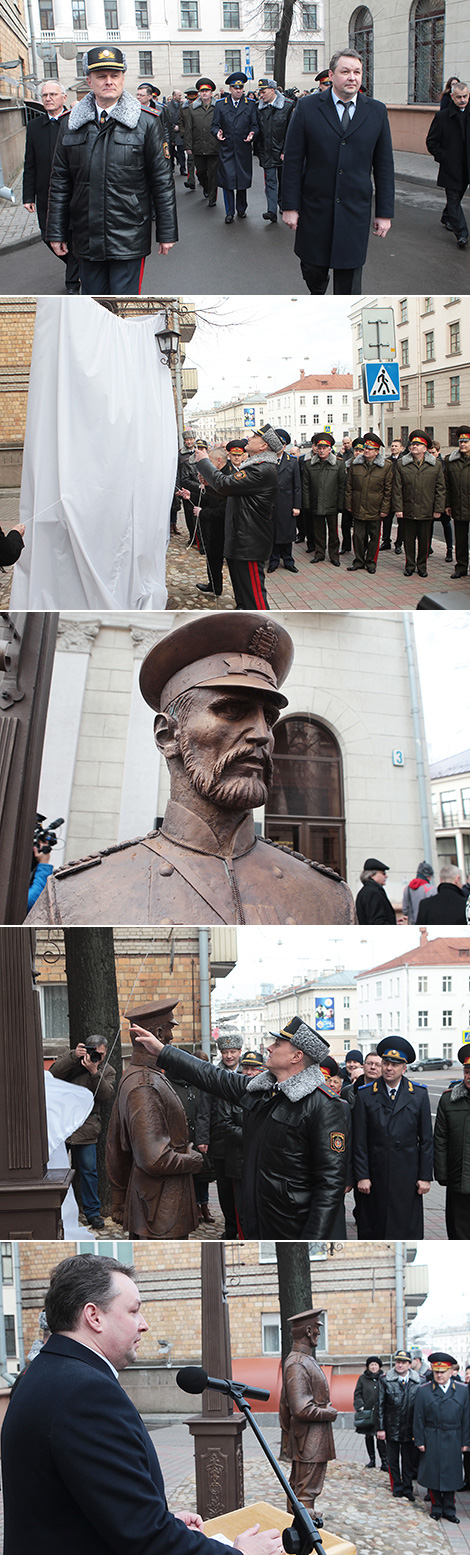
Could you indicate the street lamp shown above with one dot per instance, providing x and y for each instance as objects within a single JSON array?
[{"x": 168, "y": 340}]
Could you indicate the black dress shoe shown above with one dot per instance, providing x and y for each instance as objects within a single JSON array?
[
  {"x": 408, "y": 573},
  {"x": 386, "y": 546},
  {"x": 422, "y": 572},
  {"x": 241, "y": 215},
  {"x": 345, "y": 550},
  {"x": 371, "y": 1464},
  {"x": 335, "y": 561},
  {"x": 436, "y": 1517},
  {"x": 192, "y": 187},
  {"x": 96, "y": 1222},
  {"x": 371, "y": 567},
  {"x": 449, "y": 557},
  {"x": 273, "y": 566},
  {"x": 461, "y": 243},
  {"x": 458, "y": 573},
  {"x": 228, "y": 219},
  {"x": 211, "y": 204},
  {"x": 451, "y": 1517},
  {"x": 398, "y": 550},
  {"x": 309, "y": 549},
  {"x": 314, "y": 559},
  {"x": 269, "y": 216},
  {"x": 356, "y": 567},
  {"x": 206, "y": 588},
  {"x": 289, "y": 567}
]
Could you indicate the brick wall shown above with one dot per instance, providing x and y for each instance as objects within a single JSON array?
[
  {"x": 150, "y": 964},
  {"x": 16, "y": 339}
]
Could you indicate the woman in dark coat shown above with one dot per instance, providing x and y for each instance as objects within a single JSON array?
[
  {"x": 441, "y": 1428},
  {"x": 286, "y": 507},
  {"x": 365, "y": 1398}
]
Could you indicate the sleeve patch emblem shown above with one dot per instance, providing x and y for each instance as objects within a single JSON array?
[
  {"x": 338, "y": 1143},
  {"x": 165, "y": 150},
  {"x": 239, "y": 475}
]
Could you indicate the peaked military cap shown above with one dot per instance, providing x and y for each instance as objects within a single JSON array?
[
  {"x": 224, "y": 650},
  {"x": 103, "y": 59},
  {"x": 397, "y": 1049}
]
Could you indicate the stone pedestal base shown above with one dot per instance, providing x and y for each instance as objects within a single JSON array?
[
  {"x": 32, "y": 1209},
  {"x": 219, "y": 1464}
]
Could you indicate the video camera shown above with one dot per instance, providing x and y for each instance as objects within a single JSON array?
[{"x": 44, "y": 838}]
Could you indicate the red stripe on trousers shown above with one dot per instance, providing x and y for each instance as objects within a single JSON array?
[
  {"x": 141, "y": 276},
  {"x": 256, "y": 585}
]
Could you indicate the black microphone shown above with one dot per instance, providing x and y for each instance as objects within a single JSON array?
[{"x": 193, "y": 1379}]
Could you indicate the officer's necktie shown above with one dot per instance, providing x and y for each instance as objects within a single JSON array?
[
  {"x": 346, "y": 117},
  {"x": 103, "y": 118},
  {"x": 393, "y": 1095}
]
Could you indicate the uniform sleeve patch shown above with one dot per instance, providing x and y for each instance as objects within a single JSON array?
[
  {"x": 338, "y": 1143},
  {"x": 165, "y": 150},
  {"x": 239, "y": 475}
]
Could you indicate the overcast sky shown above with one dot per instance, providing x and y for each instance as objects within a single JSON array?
[
  {"x": 262, "y": 345},
  {"x": 449, "y": 1297},
  {"x": 443, "y": 644},
  {"x": 276, "y": 956}
]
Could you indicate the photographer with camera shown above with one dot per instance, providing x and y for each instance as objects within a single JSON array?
[
  {"x": 86, "y": 1065},
  {"x": 44, "y": 839}
]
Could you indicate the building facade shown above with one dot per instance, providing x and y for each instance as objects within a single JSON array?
[
  {"x": 450, "y": 797},
  {"x": 409, "y": 50},
  {"x": 433, "y": 354},
  {"x": 237, "y": 418},
  {"x": 316, "y": 402},
  {"x": 173, "y": 44},
  {"x": 423, "y": 995},
  {"x": 328, "y": 1004},
  {"x": 338, "y": 780}
]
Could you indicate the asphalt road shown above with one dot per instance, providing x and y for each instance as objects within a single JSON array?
[{"x": 253, "y": 257}]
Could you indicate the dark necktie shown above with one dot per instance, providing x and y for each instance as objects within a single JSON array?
[
  {"x": 393, "y": 1095},
  {"x": 346, "y": 117},
  {"x": 103, "y": 118}
]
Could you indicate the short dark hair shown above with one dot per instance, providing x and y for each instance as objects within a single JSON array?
[
  {"x": 344, "y": 54},
  {"x": 75, "y": 1281}
]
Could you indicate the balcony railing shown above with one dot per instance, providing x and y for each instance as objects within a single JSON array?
[
  {"x": 48, "y": 36},
  {"x": 80, "y": 35},
  {"x": 144, "y": 34},
  {"x": 113, "y": 34}
]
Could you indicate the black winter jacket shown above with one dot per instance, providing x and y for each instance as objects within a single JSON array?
[
  {"x": 249, "y": 514},
  {"x": 457, "y": 479},
  {"x": 448, "y": 141},
  {"x": 272, "y": 131},
  {"x": 366, "y": 1394},
  {"x": 452, "y": 1139},
  {"x": 323, "y": 483},
  {"x": 449, "y": 905},
  {"x": 103, "y": 182},
  {"x": 395, "y": 1407},
  {"x": 373, "y": 905},
  {"x": 294, "y": 1151}
]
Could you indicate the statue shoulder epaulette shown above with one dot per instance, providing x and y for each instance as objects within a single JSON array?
[
  {"x": 323, "y": 869},
  {"x": 92, "y": 859}
]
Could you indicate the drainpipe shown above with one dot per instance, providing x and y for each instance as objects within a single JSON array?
[
  {"x": 399, "y": 1295},
  {"x": 19, "y": 1309},
  {"x": 416, "y": 713},
  {"x": 5, "y": 192},
  {"x": 3, "y": 1348},
  {"x": 204, "y": 991}
]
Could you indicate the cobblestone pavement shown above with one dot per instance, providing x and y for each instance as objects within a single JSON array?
[{"x": 320, "y": 588}]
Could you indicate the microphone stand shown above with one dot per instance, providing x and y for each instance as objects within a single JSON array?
[{"x": 303, "y": 1536}]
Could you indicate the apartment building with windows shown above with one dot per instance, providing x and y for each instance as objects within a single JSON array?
[
  {"x": 450, "y": 798},
  {"x": 316, "y": 402},
  {"x": 328, "y": 1003},
  {"x": 236, "y": 418},
  {"x": 174, "y": 43},
  {"x": 433, "y": 354},
  {"x": 423, "y": 995}
]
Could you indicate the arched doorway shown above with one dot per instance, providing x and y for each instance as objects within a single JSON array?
[
  {"x": 427, "y": 22},
  {"x": 306, "y": 805},
  {"x": 361, "y": 38}
]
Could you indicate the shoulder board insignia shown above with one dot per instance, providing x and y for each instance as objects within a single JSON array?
[
  {"x": 374, "y": 1087},
  {"x": 338, "y": 1143},
  {"x": 410, "y": 1086}
]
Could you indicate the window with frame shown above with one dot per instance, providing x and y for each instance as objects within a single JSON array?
[
  {"x": 404, "y": 310},
  {"x": 329, "y": 399},
  {"x": 111, "y": 17},
  {"x": 405, "y": 353},
  {"x": 271, "y": 16},
  {"x": 423, "y": 1050},
  {"x": 429, "y": 305},
  {"x": 141, "y": 15},
  {"x": 454, "y": 339},
  {"x": 422, "y": 985},
  {"x": 379, "y": 1021},
  {"x": 455, "y": 391},
  {"x": 314, "y": 399},
  {"x": 270, "y": 1333},
  {"x": 78, "y": 15},
  {"x": 191, "y": 66},
  {"x": 10, "y": 1335},
  {"x": 51, "y": 69},
  {"x": 79, "y": 64},
  {"x": 346, "y": 1001},
  {"x": 427, "y": 24},
  {"x": 46, "y": 17},
  {"x": 303, "y": 421},
  {"x": 123, "y": 1251},
  {"x": 233, "y": 60},
  {"x": 310, "y": 65},
  {"x": 309, "y": 15},
  {"x": 7, "y": 1263},
  {"x": 269, "y": 61},
  {"x": 345, "y": 417},
  {"x": 302, "y": 399},
  {"x": 347, "y": 1023},
  {"x": 405, "y": 400},
  {"x": 446, "y": 984},
  {"x": 397, "y": 1020},
  {"x": 231, "y": 14},
  {"x": 429, "y": 345},
  {"x": 316, "y": 421},
  {"x": 429, "y": 392},
  {"x": 145, "y": 62},
  {"x": 447, "y": 1050},
  {"x": 189, "y": 13},
  {"x": 378, "y": 990},
  {"x": 449, "y": 809},
  {"x": 465, "y": 801},
  {"x": 447, "y": 1017},
  {"x": 422, "y": 1018}
]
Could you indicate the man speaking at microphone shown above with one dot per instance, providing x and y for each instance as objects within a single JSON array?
[{"x": 94, "y": 1480}]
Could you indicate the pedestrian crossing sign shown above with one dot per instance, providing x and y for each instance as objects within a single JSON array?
[{"x": 381, "y": 381}]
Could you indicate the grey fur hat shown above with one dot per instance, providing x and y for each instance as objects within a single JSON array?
[
  {"x": 229, "y": 1039},
  {"x": 305, "y": 1038}
]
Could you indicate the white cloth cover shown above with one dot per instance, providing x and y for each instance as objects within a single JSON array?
[
  {"x": 67, "y": 1106},
  {"x": 100, "y": 462}
]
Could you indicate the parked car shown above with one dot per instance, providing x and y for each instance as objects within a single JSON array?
[{"x": 432, "y": 1063}]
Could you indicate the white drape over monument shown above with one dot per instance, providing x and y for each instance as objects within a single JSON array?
[{"x": 99, "y": 462}]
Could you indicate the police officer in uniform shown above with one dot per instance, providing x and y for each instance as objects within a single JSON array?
[
  {"x": 452, "y": 1150},
  {"x": 392, "y": 1148},
  {"x": 249, "y": 515},
  {"x": 286, "y": 507},
  {"x": 234, "y": 126},
  {"x": 442, "y": 1433}
]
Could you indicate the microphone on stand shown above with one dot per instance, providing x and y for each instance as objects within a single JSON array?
[{"x": 194, "y": 1379}]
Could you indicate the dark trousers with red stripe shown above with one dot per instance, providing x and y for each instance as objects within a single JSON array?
[
  {"x": 111, "y": 277},
  {"x": 442, "y": 1501},
  {"x": 367, "y": 540},
  {"x": 401, "y": 1474},
  {"x": 248, "y": 583}
]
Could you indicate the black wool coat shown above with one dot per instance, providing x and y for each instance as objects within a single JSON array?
[
  {"x": 235, "y": 168},
  {"x": 452, "y": 1139},
  {"x": 94, "y": 1480},
  {"x": 288, "y": 496},
  {"x": 373, "y": 905},
  {"x": 392, "y": 1145},
  {"x": 249, "y": 520},
  {"x": 442, "y": 1425},
  {"x": 41, "y": 139},
  {"x": 272, "y": 131},
  {"x": 327, "y": 177},
  {"x": 295, "y": 1152},
  {"x": 449, "y": 905},
  {"x": 448, "y": 141}
]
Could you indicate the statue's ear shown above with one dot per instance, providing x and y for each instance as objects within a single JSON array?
[{"x": 166, "y": 734}]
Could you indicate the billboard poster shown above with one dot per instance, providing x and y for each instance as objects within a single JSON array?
[
  {"x": 249, "y": 416},
  {"x": 324, "y": 1014}
]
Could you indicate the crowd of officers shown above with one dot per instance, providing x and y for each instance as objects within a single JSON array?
[
  {"x": 366, "y": 487},
  {"x": 418, "y": 1415}
]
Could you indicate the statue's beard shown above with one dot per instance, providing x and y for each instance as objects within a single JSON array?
[{"x": 232, "y": 790}]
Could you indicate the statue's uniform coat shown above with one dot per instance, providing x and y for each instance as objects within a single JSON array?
[{"x": 149, "y": 1160}]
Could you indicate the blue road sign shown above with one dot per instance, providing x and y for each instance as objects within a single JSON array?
[{"x": 381, "y": 381}]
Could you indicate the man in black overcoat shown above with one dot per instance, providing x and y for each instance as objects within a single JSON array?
[
  {"x": 94, "y": 1480},
  {"x": 234, "y": 126},
  {"x": 335, "y": 141},
  {"x": 41, "y": 138},
  {"x": 286, "y": 507},
  {"x": 448, "y": 141},
  {"x": 441, "y": 1428},
  {"x": 392, "y": 1148}
]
